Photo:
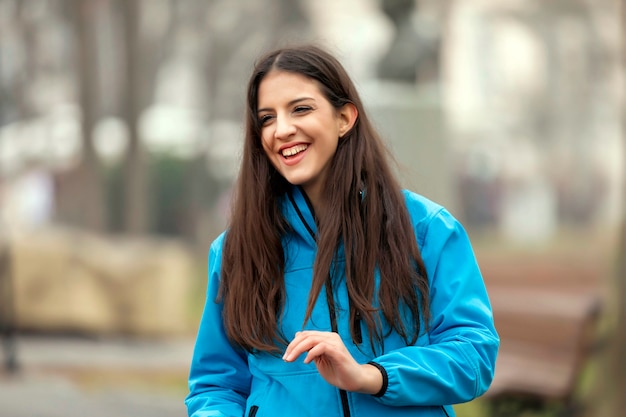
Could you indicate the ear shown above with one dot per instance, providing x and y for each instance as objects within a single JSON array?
[{"x": 347, "y": 115}]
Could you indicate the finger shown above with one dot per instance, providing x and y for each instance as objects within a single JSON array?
[
  {"x": 329, "y": 346},
  {"x": 299, "y": 345},
  {"x": 305, "y": 341},
  {"x": 291, "y": 345},
  {"x": 314, "y": 352},
  {"x": 317, "y": 351}
]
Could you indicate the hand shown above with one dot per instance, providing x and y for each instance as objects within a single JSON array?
[{"x": 333, "y": 361}]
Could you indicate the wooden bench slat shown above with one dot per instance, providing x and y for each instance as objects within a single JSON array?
[
  {"x": 529, "y": 302},
  {"x": 528, "y": 370},
  {"x": 545, "y": 338}
]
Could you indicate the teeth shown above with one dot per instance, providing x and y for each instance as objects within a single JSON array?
[{"x": 294, "y": 150}]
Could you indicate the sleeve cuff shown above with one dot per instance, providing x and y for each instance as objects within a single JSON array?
[{"x": 383, "y": 388}]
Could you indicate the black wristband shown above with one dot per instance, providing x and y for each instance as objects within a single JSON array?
[{"x": 383, "y": 388}]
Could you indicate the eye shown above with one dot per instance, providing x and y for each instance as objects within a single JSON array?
[
  {"x": 265, "y": 119},
  {"x": 301, "y": 109}
]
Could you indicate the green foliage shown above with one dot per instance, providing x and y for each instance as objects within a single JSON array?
[
  {"x": 170, "y": 194},
  {"x": 179, "y": 189},
  {"x": 114, "y": 187},
  {"x": 476, "y": 408}
]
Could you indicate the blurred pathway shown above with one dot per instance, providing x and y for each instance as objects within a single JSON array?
[{"x": 46, "y": 384}]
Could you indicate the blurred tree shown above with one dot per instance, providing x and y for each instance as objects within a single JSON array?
[
  {"x": 613, "y": 400},
  {"x": 88, "y": 201},
  {"x": 136, "y": 213},
  {"x": 26, "y": 31},
  {"x": 618, "y": 363},
  {"x": 238, "y": 31},
  {"x": 620, "y": 345},
  {"x": 7, "y": 308}
]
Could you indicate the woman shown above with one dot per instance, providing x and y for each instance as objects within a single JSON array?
[{"x": 334, "y": 292}]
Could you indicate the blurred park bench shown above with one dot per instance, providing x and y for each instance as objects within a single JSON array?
[{"x": 547, "y": 336}]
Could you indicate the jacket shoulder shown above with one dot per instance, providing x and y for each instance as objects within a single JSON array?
[
  {"x": 215, "y": 252},
  {"x": 421, "y": 208},
  {"x": 428, "y": 215}
]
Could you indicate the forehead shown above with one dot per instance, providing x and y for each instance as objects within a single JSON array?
[{"x": 279, "y": 87}]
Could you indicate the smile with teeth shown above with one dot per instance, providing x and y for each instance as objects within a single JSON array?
[{"x": 294, "y": 150}]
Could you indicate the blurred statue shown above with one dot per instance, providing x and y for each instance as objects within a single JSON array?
[{"x": 410, "y": 51}]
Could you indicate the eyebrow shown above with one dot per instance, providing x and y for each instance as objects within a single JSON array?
[{"x": 291, "y": 103}]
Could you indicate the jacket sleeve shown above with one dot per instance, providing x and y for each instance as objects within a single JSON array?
[
  {"x": 458, "y": 363},
  {"x": 219, "y": 379}
]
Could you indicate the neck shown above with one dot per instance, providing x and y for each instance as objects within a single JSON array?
[
  {"x": 312, "y": 194},
  {"x": 314, "y": 205}
]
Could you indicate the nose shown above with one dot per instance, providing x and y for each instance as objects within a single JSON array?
[{"x": 284, "y": 128}]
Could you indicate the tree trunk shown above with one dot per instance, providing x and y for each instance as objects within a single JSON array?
[
  {"x": 136, "y": 213},
  {"x": 7, "y": 306},
  {"x": 89, "y": 187},
  {"x": 618, "y": 360},
  {"x": 613, "y": 401}
]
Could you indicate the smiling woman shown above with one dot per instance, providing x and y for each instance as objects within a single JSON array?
[
  {"x": 334, "y": 292},
  {"x": 300, "y": 129}
]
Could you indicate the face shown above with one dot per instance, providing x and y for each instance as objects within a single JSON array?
[{"x": 300, "y": 129}]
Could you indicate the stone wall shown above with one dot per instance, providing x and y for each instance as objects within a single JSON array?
[{"x": 73, "y": 281}]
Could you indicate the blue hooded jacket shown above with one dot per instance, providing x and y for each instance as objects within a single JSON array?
[{"x": 451, "y": 363}]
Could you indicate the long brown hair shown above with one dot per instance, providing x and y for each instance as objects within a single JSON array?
[{"x": 362, "y": 207}]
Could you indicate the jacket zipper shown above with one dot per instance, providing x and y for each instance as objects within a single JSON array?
[
  {"x": 253, "y": 410},
  {"x": 345, "y": 405},
  {"x": 358, "y": 336},
  {"x": 329, "y": 300}
]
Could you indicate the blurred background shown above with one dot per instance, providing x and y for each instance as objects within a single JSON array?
[{"x": 120, "y": 136}]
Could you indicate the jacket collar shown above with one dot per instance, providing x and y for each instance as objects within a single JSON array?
[{"x": 299, "y": 212}]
